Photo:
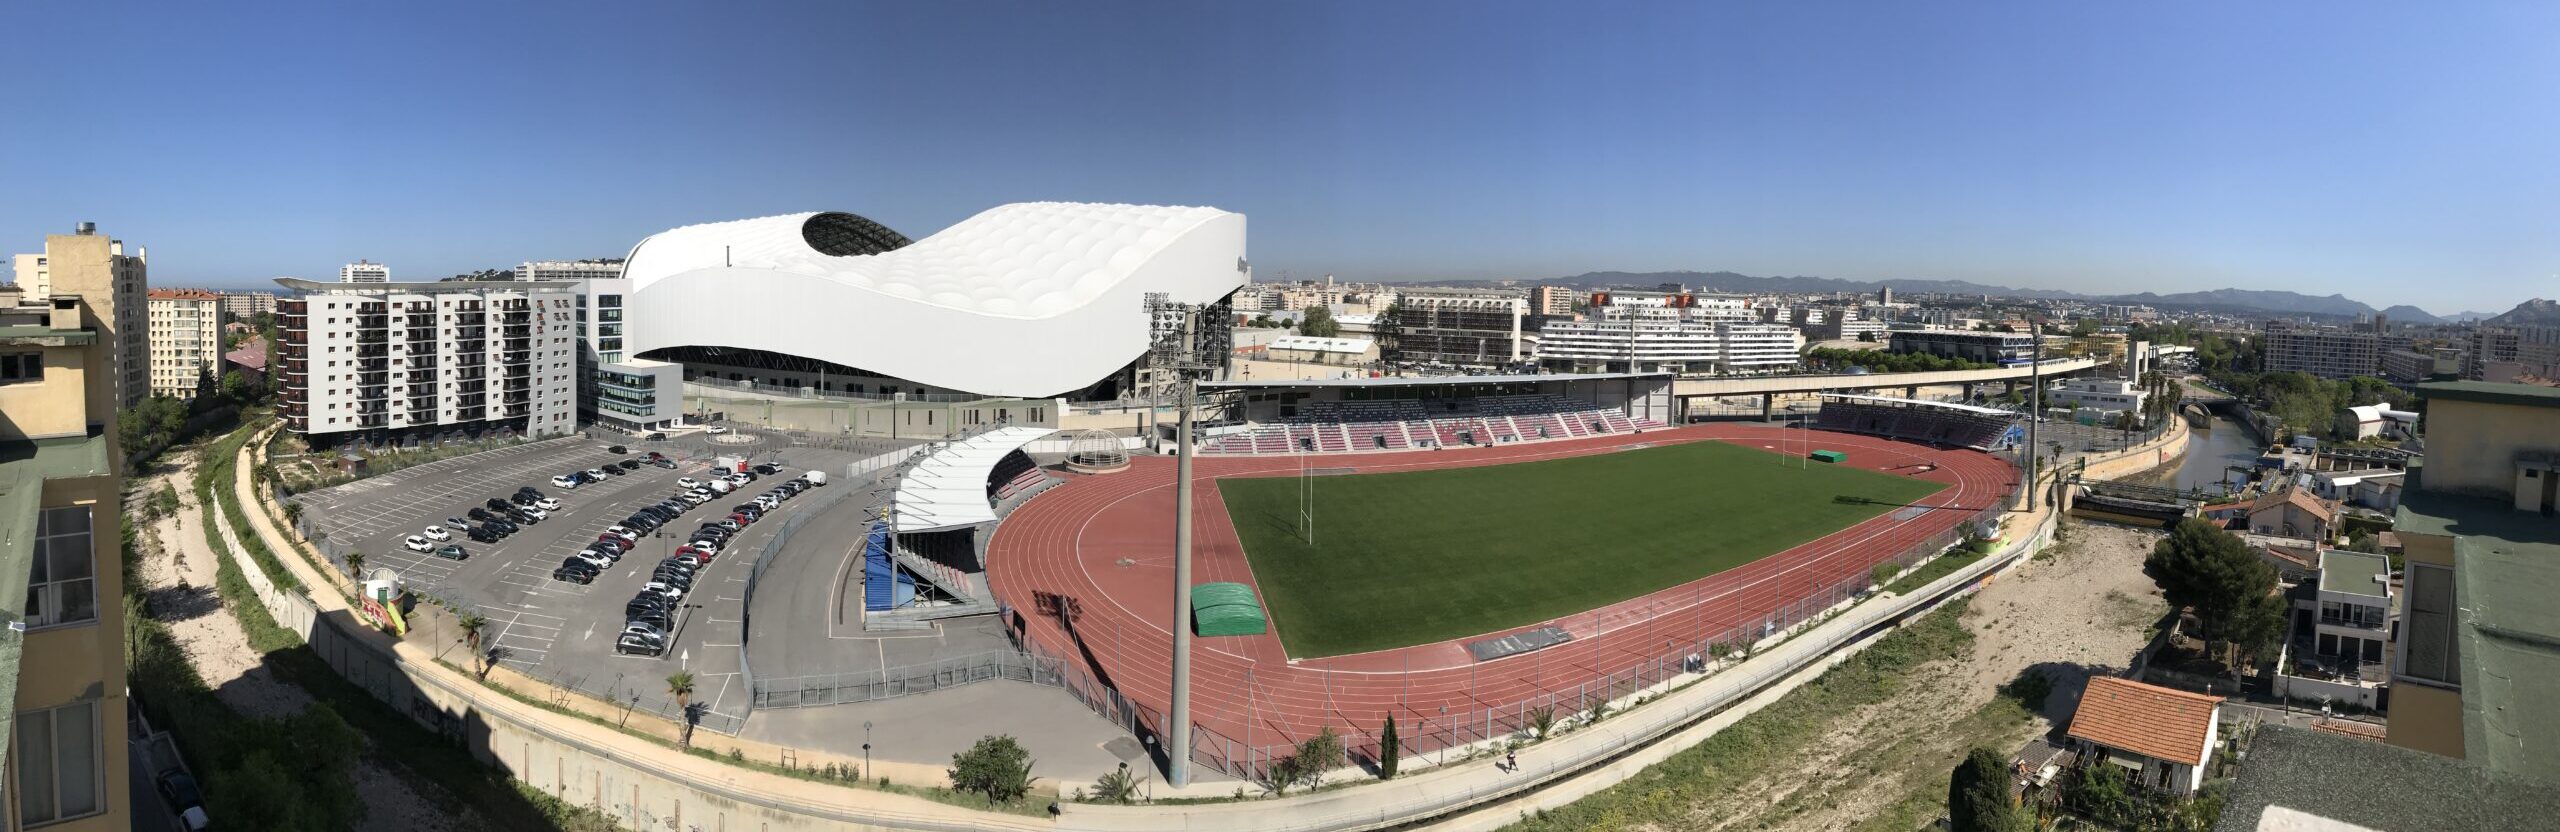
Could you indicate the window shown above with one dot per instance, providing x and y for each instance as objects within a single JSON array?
[
  {"x": 2432, "y": 653},
  {"x": 21, "y": 367},
  {"x": 60, "y": 585},
  {"x": 58, "y": 764}
]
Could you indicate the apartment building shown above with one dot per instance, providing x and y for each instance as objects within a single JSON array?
[
  {"x": 61, "y": 476},
  {"x": 185, "y": 341},
  {"x": 1551, "y": 300},
  {"x": 2508, "y": 353},
  {"x": 244, "y": 307},
  {"x": 2327, "y": 352},
  {"x": 382, "y": 361},
  {"x": 2473, "y": 660},
  {"x": 364, "y": 271},
  {"x": 100, "y": 274},
  {"x": 1459, "y": 327},
  {"x": 1653, "y": 332},
  {"x": 569, "y": 270}
]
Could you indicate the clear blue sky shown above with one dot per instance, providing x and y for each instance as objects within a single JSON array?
[{"x": 2394, "y": 152}]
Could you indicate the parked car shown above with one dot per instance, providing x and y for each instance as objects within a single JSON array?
[
  {"x": 547, "y": 504},
  {"x": 655, "y": 436},
  {"x": 521, "y": 499},
  {"x": 564, "y": 481},
  {"x": 622, "y": 532},
  {"x": 630, "y": 465},
  {"x": 479, "y": 535},
  {"x": 658, "y": 621},
  {"x": 766, "y": 468},
  {"x": 672, "y": 593},
  {"x": 477, "y": 513},
  {"x": 593, "y": 558},
  {"x": 436, "y": 533},
  {"x": 179, "y": 792},
  {"x": 495, "y": 504},
  {"x": 815, "y": 477},
  {"x": 536, "y": 492},
  {"x": 715, "y": 430},
  {"x": 617, "y": 449},
  {"x": 616, "y": 545},
  {"x": 417, "y": 544},
  {"x": 581, "y": 574},
  {"x": 451, "y": 552},
  {"x": 688, "y": 483},
  {"x": 633, "y": 645},
  {"x": 664, "y": 462}
]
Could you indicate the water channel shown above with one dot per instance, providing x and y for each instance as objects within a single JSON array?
[{"x": 2221, "y": 444}]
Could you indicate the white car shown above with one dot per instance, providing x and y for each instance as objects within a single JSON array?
[
  {"x": 715, "y": 430},
  {"x": 535, "y": 513},
  {"x": 594, "y": 558},
  {"x": 547, "y": 504},
  {"x": 662, "y": 588},
  {"x": 417, "y": 544},
  {"x": 692, "y": 498},
  {"x": 564, "y": 481},
  {"x": 625, "y": 534},
  {"x": 437, "y": 533},
  {"x": 688, "y": 483}
]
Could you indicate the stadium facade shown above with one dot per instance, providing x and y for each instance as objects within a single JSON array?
[{"x": 1025, "y": 301}]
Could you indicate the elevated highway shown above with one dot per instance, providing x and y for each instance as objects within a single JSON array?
[{"x": 1687, "y": 388}]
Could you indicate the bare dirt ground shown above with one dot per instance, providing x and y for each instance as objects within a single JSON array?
[
  {"x": 177, "y": 580},
  {"x": 2086, "y": 608}
]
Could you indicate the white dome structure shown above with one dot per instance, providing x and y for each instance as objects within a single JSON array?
[
  {"x": 1095, "y": 451},
  {"x": 1025, "y": 300}
]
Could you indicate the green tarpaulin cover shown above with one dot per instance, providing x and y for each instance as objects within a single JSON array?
[{"x": 1226, "y": 609}]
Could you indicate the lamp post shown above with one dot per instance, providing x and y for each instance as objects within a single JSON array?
[
  {"x": 866, "y": 749},
  {"x": 1175, "y": 350}
]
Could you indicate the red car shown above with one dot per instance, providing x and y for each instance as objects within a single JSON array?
[
  {"x": 705, "y": 555},
  {"x": 742, "y": 518},
  {"x": 618, "y": 544}
]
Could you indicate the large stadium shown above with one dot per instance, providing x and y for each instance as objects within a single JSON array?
[{"x": 1458, "y": 552}]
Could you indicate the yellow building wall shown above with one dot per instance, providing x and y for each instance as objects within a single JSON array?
[
  {"x": 2471, "y": 446},
  {"x": 55, "y": 407},
  {"x": 85, "y": 662}
]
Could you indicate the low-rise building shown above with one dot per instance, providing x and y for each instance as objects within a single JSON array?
[
  {"x": 2375, "y": 421},
  {"x": 2295, "y": 512},
  {"x": 1308, "y": 349},
  {"x": 2163, "y": 737},
  {"x": 2107, "y": 395},
  {"x": 2335, "y": 653},
  {"x": 1979, "y": 347}
]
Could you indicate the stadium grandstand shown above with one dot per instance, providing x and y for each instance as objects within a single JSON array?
[
  {"x": 1938, "y": 423},
  {"x": 1398, "y": 413},
  {"x": 1024, "y": 301}
]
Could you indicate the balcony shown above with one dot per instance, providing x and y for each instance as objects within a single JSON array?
[
  {"x": 473, "y": 413},
  {"x": 516, "y": 398},
  {"x": 474, "y": 332}
]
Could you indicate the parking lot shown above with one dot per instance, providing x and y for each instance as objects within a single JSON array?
[{"x": 563, "y": 632}]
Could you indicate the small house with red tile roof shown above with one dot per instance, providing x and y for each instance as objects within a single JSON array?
[
  {"x": 2163, "y": 737},
  {"x": 2293, "y": 512}
]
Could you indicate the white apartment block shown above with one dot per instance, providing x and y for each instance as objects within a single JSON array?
[
  {"x": 364, "y": 271},
  {"x": 243, "y": 306},
  {"x": 1462, "y": 327},
  {"x": 2327, "y": 352},
  {"x": 186, "y": 341},
  {"x": 382, "y": 359},
  {"x": 1644, "y": 332},
  {"x": 568, "y": 270}
]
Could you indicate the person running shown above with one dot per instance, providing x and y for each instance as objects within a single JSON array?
[{"x": 1511, "y": 760}]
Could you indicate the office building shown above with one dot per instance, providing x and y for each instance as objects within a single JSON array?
[
  {"x": 1977, "y": 347},
  {"x": 245, "y": 307},
  {"x": 61, "y": 480},
  {"x": 383, "y": 361},
  {"x": 364, "y": 271},
  {"x": 1650, "y": 332},
  {"x": 1551, "y": 300},
  {"x": 1458, "y": 327},
  {"x": 185, "y": 341},
  {"x": 97, "y": 271},
  {"x": 2105, "y": 395},
  {"x": 615, "y": 388},
  {"x": 2474, "y": 659},
  {"x": 2327, "y": 352}
]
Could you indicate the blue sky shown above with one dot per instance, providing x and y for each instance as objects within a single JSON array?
[{"x": 2396, "y": 153}]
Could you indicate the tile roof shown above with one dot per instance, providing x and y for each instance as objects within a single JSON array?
[
  {"x": 2306, "y": 500},
  {"x": 251, "y": 354},
  {"x": 2150, "y": 720}
]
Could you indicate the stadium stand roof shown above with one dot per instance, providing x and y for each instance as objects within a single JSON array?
[
  {"x": 1964, "y": 408},
  {"x": 1026, "y": 300},
  {"x": 1426, "y": 381},
  {"x": 948, "y": 489}
]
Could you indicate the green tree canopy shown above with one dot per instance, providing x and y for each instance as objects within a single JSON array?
[
  {"x": 2232, "y": 590},
  {"x": 1978, "y": 796},
  {"x": 1319, "y": 323},
  {"x": 996, "y": 766}
]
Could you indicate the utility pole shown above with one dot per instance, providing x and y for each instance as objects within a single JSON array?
[
  {"x": 2035, "y": 402},
  {"x": 1175, "y": 350}
]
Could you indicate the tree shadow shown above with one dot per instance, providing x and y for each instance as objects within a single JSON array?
[{"x": 182, "y": 602}]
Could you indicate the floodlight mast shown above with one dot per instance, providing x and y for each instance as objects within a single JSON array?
[{"x": 1173, "y": 350}]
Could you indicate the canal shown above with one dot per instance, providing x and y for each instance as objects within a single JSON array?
[{"x": 2220, "y": 444}]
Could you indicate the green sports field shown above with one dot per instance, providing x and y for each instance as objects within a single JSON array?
[{"x": 1414, "y": 558}]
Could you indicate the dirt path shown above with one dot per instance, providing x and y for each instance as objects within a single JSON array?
[
  {"x": 177, "y": 581},
  {"x": 2083, "y": 610}
]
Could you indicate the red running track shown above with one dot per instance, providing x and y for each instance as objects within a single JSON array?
[{"x": 1107, "y": 541}]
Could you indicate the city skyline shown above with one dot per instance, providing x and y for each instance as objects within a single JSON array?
[{"x": 2090, "y": 150}]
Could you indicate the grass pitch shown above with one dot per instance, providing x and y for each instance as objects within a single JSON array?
[{"x": 1425, "y": 556}]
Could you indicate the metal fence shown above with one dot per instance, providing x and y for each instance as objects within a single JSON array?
[{"x": 892, "y": 682}]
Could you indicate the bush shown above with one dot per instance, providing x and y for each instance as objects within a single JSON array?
[
  {"x": 1883, "y": 573},
  {"x": 996, "y": 767}
]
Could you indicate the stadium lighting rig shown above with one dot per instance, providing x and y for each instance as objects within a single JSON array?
[{"x": 1187, "y": 342}]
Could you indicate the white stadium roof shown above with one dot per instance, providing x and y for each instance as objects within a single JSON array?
[
  {"x": 948, "y": 489},
  {"x": 1028, "y": 300}
]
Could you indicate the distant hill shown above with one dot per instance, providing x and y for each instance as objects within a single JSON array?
[
  {"x": 2535, "y": 312},
  {"x": 2233, "y": 301},
  {"x": 2406, "y": 314}
]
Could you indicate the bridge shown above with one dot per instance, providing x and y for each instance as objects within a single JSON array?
[{"x": 1688, "y": 388}]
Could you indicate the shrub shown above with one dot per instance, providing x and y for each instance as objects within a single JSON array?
[{"x": 996, "y": 767}]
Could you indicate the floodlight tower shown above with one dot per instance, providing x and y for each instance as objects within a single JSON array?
[{"x": 1174, "y": 352}]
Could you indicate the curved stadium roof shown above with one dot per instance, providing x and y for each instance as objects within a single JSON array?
[{"x": 1025, "y": 300}]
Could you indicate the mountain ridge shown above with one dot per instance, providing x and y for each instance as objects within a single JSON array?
[{"x": 2237, "y": 301}]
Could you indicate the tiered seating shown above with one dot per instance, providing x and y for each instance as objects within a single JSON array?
[
  {"x": 1617, "y": 421},
  {"x": 1503, "y": 429},
  {"x": 1356, "y": 426},
  {"x": 1373, "y": 436},
  {"x": 1918, "y": 421}
]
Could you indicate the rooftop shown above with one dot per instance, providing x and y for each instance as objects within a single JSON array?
[
  {"x": 2306, "y": 500},
  {"x": 181, "y": 294},
  {"x": 1315, "y": 344},
  {"x": 1426, "y": 381},
  {"x": 2523, "y": 395},
  {"x": 2153, "y": 721},
  {"x": 2507, "y": 570},
  {"x": 2355, "y": 573},
  {"x": 41, "y": 335},
  {"x": 2293, "y": 773}
]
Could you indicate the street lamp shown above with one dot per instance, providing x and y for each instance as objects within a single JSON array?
[
  {"x": 1176, "y": 348},
  {"x": 866, "y": 749}
]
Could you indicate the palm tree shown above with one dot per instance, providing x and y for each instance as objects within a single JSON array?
[
  {"x": 355, "y": 564},
  {"x": 680, "y": 686},
  {"x": 471, "y": 624}
]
